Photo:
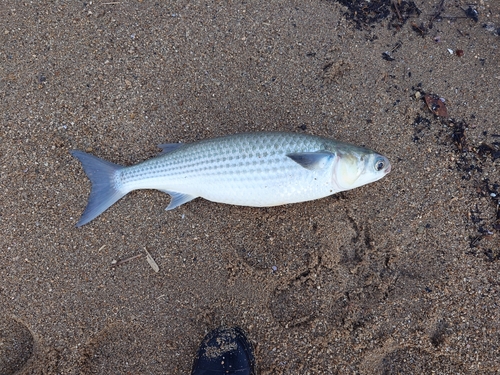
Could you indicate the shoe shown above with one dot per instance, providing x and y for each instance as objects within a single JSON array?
[{"x": 224, "y": 351}]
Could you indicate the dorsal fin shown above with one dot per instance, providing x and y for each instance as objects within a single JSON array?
[{"x": 169, "y": 147}]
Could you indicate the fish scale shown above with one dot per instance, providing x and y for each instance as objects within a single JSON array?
[
  {"x": 250, "y": 169},
  {"x": 232, "y": 170}
]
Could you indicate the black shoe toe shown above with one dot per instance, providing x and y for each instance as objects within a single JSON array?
[{"x": 224, "y": 351}]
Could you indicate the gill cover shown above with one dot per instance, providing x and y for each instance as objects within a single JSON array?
[{"x": 349, "y": 168}]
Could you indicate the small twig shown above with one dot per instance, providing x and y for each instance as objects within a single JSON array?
[
  {"x": 437, "y": 14},
  {"x": 475, "y": 240},
  {"x": 397, "y": 46},
  {"x": 116, "y": 263},
  {"x": 418, "y": 29},
  {"x": 453, "y": 17},
  {"x": 397, "y": 10},
  {"x": 151, "y": 261}
]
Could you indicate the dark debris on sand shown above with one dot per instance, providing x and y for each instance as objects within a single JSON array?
[{"x": 366, "y": 13}]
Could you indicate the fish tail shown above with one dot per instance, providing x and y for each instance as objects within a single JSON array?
[{"x": 104, "y": 192}]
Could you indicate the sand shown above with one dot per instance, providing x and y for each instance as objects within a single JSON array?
[{"x": 401, "y": 276}]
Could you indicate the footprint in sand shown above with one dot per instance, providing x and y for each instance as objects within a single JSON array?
[
  {"x": 130, "y": 348},
  {"x": 16, "y": 346},
  {"x": 413, "y": 361}
]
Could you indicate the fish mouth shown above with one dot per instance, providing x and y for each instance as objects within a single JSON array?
[{"x": 388, "y": 169}]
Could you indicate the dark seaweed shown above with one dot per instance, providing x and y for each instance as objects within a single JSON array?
[{"x": 366, "y": 13}]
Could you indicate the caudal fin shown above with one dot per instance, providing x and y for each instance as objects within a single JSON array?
[{"x": 104, "y": 192}]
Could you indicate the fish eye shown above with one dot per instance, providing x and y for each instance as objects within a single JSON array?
[{"x": 379, "y": 165}]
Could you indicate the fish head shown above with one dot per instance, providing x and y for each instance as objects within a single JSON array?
[{"x": 354, "y": 169}]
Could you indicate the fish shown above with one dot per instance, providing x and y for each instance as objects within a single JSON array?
[{"x": 260, "y": 169}]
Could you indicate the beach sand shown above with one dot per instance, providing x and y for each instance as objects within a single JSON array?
[{"x": 401, "y": 276}]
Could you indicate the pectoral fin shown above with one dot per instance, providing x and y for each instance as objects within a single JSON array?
[
  {"x": 178, "y": 199},
  {"x": 312, "y": 160}
]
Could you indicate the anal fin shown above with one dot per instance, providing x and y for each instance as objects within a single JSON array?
[{"x": 178, "y": 199}]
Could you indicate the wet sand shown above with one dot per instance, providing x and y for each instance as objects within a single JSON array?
[{"x": 399, "y": 276}]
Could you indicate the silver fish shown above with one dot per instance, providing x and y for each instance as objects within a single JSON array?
[{"x": 251, "y": 169}]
